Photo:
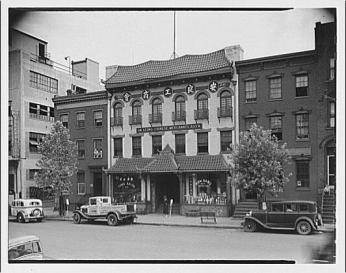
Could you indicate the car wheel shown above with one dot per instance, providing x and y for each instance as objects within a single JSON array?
[
  {"x": 76, "y": 218},
  {"x": 36, "y": 212},
  {"x": 250, "y": 226},
  {"x": 39, "y": 220},
  {"x": 112, "y": 220},
  {"x": 304, "y": 227},
  {"x": 20, "y": 218}
]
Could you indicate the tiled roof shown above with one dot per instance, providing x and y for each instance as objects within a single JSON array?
[
  {"x": 186, "y": 64},
  {"x": 201, "y": 163},
  {"x": 129, "y": 165}
]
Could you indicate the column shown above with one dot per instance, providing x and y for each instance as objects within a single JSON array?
[
  {"x": 194, "y": 184},
  {"x": 152, "y": 189},
  {"x": 218, "y": 185},
  {"x": 181, "y": 189},
  {"x": 148, "y": 188},
  {"x": 228, "y": 189},
  {"x": 143, "y": 189},
  {"x": 187, "y": 184}
]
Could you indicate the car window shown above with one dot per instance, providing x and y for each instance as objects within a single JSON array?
[
  {"x": 92, "y": 201},
  {"x": 291, "y": 208},
  {"x": 13, "y": 203},
  {"x": 22, "y": 204},
  {"x": 105, "y": 200},
  {"x": 304, "y": 207},
  {"x": 34, "y": 203},
  {"x": 277, "y": 207},
  {"x": 36, "y": 247}
]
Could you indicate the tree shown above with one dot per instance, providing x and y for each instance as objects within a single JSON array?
[
  {"x": 58, "y": 163},
  {"x": 258, "y": 162}
]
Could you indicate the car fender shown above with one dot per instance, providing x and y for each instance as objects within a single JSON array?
[
  {"x": 256, "y": 220},
  {"x": 313, "y": 225},
  {"x": 116, "y": 213},
  {"x": 82, "y": 215}
]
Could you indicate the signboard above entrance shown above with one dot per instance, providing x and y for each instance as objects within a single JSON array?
[{"x": 170, "y": 128}]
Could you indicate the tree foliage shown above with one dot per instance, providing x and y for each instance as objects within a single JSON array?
[
  {"x": 58, "y": 163},
  {"x": 258, "y": 161}
]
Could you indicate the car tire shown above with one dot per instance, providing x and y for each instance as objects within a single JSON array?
[
  {"x": 76, "y": 218},
  {"x": 20, "y": 218},
  {"x": 39, "y": 220},
  {"x": 112, "y": 220},
  {"x": 250, "y": 226},
  {"x": 304, "y": 227}
]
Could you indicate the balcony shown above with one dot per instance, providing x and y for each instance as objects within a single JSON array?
[
  {"x": 44, "y": 59},
  {"x": 135, "y": 120},
  {"x": 155, "y": 118},
  {"x": 224, "y": 112},
  {"x": 41, "y": 117},
  {"x": 117, "y": 121},
  {"x": 179, "y": 116},
  {"x": 202, "y": 114}
]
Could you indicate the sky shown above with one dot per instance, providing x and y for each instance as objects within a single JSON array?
[{"x": 132, "y": 37}]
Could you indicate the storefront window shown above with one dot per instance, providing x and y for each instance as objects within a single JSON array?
[{"x": 126, "y": 188}]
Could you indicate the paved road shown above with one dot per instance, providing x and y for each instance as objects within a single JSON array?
[{"x": 65, "y": 240}]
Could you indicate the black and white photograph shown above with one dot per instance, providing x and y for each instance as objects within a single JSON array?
[{"x": 174, "y": 137}]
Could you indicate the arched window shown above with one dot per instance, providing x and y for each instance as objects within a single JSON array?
[
  {"x": 136, "y": 112},
  {"x": 202, "y": 106},
  {"x": 118, "y": 114},
  {"x": 156, "y": 110},
  {"x": 180, "y": 113},
  {"x": 225, "y": 104}
]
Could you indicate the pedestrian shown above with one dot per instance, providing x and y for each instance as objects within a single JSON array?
[{"x": 165, "y": 205}]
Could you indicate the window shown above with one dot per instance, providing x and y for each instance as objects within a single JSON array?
[
  {"x": 98, "y": 118},
  {"x": 118, "y": 114},
  {"x": 81, "y": 148},
  {"x": 226, "y": 140},
  {"x": 202, "y": 142},
  {"x": 275, "y": 88},
  {"x": 250, "y": 91},
  {"x": 41, "y": 112},
  {"x": 33, "y": 108},
  {"x": 64, "y": 120},
  {"x": 136, "y": 112},
  {"x": 118, "y": 147},
  {"x": 302, "y": 175},
  {"x": 34, "y": 141},
  {"x": 202, "y": 106},
  {"x": 97, "y": 144},
  {"x": 157, "y": 144},
  {"x": 331, "y": 167},
  {"x": 32, "y": 173},
  {"x": 136, "y": 146},
  {"x": 332, "y": 68},
  {"x": 225, "y": 104},
  {"x": 81, "y": 120},
  {"x": 331, "y": 114},
  {"x": 180, "y": 113},
  {"x": 180, "y": 144},
  {"x": 43, "y": 82},
  {"x": 302, "y": 125},
  {"x": 301, "y": 85},
  {"x": 51, "y": 112},
  {"x": 276, "y": 126},
  {"x": 249, "y": 122},
  {"x": 81, "y": 183},
  {"x": 156, "y": 110}
]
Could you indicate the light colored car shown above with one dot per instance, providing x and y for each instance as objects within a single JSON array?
[
  {"x": 25, "y": 210},
  {"x": 25, "y": 248}
]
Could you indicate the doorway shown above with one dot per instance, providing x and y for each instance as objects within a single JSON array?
[
  {"x": 167, "y": 185},
  {"x": 97, "y": 184}
]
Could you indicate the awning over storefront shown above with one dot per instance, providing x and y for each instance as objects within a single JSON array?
[{"x": 167, "y": 162}]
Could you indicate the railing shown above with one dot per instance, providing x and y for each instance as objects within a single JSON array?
[
  {"x": 118, "y": 121},
  {"x": 179, "y": 116},
  {"x": 224, "y": 112},
  {"x": 137, "y": 119},
  {"x": 155, "y": 118},
  {"x": 202, "y": 114},
  {"x": 41, "y": 117}
]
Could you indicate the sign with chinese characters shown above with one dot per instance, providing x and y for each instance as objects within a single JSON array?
[
  {"x": 146, "y": 94},
  {"x": 168, "y": 92},
  {"x": 213, "y": 86},
  {"x": 170, "y": 128},
  {"x": 125, "y": 182},
  {"x": 190, "y": 89},
  {"x": 127, "y": 97},
  {"x": 203, "y": 182}
]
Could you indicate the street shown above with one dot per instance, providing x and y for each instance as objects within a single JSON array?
[{"x": 63, "y": 240}]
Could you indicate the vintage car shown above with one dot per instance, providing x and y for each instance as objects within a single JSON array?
[
  {"x": 25, "y": 210},
  {"x": 100, "y": 207},
  {"x": 25, "y": 248},
  {"x": 301, "y": 216}
]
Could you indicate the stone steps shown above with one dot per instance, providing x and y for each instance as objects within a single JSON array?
[{"x": 244, "y": 207}]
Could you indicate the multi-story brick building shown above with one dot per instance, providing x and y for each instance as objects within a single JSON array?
[
  {"x": 34, "y": 79},
  {"x": 172, "y": 123},
  {"x": 294, "y": 96},
  {"x": 85, "y": 115}
]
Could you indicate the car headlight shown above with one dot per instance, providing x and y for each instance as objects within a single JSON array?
[{"x": 249, "y": 213}]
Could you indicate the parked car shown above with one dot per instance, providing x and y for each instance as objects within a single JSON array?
[
  {"x": 25, "y": 210},
  {"x": 100, "y": 207},
  {"x": 301, "y": 216},
  {"x": 25, "y": 248}
]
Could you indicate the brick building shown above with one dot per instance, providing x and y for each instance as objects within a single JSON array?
[
  {"x": 172, "y": 124},
  {"x": 294, "y": 96}
]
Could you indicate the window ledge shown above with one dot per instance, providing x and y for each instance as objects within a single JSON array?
[
  {"x": 203, "y": 153},
  {"x": 117, "y": 156},
  {"x": 250, "y": 102},
  {"x": 301, "y": 97},
  {"x": 276, "y": 99},
  {"x": 303, "y": 140},
  {"x": 225, "y": 152},
  {"x": 303, "y": 189}
]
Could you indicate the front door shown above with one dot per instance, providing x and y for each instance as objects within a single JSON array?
[
  {"x": 167, "y": 185},
  {"x": 97, "y": 184},
  {"x": 251, "y": 194}
]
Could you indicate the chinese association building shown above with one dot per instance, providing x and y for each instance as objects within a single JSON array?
[{"x": 172, "y": 127}]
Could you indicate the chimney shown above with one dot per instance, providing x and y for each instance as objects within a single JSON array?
[{"x": 110, "y": 71}]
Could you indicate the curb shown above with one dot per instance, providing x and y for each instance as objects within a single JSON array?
[{"x": 182, "y": 225}]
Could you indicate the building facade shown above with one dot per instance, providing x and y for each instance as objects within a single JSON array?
[
  {"x": 34, "y": 79},
  {"x": 85, "y": 115},
  {"x": 294, "y": 96},
  {"x": 172, "y": 124}
]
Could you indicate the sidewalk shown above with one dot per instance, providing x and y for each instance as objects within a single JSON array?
[{"x": 174, "y": 220}]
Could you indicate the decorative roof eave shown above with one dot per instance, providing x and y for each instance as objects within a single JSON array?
[
  {"x": 100, "y": 95},
  {"x": 222, "y": 70}
]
